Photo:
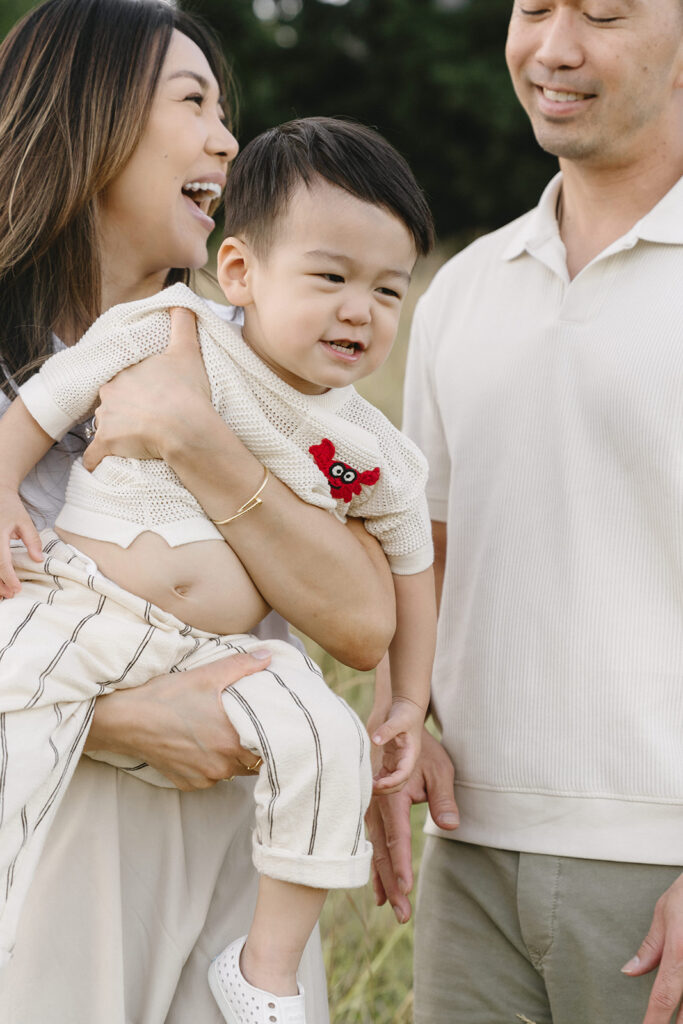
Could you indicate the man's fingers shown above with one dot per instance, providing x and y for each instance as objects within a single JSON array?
[
  {"x": 649, "y": 954},
  {"x": 662, "y": 948},
  {"x": 666, "y": 993},
  {"x": 389, "y": 853},
  {"x": 439, "y": 775},
  {"x": 377, "y": 887}
]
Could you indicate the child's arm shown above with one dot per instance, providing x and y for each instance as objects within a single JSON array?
[
  {"x": 411, "y": 654},
  {"x": 22, "y": 444}
]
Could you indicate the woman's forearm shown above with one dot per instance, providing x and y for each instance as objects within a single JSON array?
[{"x": 329, "y": 580}]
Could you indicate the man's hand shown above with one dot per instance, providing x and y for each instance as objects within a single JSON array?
[
  {"x": 131, "y": 419},
  {"x": 663, "y": 948},
  {"x": 388, "y": 821},
  {"x": 15, "y": 524},
  {"x": 177, "y": 723}
]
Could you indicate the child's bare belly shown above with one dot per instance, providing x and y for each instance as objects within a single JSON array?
[{"x": 203, "y": 584}]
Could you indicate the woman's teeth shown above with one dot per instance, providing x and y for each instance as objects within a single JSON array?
[{"x": 209, "y": 187}]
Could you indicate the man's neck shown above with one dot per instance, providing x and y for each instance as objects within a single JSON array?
[{"x": 599, "y": 205}]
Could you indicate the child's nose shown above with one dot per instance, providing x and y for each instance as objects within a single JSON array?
[{"x": 355, "y": 309}]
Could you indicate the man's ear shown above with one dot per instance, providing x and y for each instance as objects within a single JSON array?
[{"x": 234, "y": 263}]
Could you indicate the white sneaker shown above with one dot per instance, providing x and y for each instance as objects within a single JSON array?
[{"x": 241, "y": 1003}]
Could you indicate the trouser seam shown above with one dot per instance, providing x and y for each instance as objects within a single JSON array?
[{"x": 553, "y": 914}]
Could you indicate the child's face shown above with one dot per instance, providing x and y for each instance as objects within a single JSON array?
[{"x": 323, "y": 303}]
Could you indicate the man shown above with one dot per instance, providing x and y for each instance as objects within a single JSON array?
[{"x": 545, "y": 384}]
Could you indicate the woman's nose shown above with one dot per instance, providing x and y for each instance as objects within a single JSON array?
[{"x": 222, "y": 141}]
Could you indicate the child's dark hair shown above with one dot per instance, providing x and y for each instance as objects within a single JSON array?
[{"x": 344, "y": 153}]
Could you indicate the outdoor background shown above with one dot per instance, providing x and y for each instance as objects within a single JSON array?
[{"x": 430, "y": 75}]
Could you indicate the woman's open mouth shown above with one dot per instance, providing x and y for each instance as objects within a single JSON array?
[{"x": 202, "y": 195}]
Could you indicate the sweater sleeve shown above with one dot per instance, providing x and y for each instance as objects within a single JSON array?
[{"x": 66, "y": 387}]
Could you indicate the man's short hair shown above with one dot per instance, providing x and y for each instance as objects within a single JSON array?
[{"x": 346, "y": 154}]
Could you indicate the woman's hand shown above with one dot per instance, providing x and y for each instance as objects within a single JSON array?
[
  {"x": 15, "y": 524},
  {"x": 176, "y": 723},
  {"x": 144, "y": 403}
]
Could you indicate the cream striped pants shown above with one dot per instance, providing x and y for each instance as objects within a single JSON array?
[{"x": 72, "y": 635}]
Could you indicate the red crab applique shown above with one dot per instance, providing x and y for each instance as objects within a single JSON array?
[{"x": 344, "y": 481}]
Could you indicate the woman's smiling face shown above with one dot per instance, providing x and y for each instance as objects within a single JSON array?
[{"x": 154, "y": 215}]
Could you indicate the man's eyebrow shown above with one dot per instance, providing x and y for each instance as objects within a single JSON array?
[{"x": 339, "y": 257}]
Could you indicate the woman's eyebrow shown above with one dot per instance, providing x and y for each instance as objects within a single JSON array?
[{"x": 190, "y": 74}]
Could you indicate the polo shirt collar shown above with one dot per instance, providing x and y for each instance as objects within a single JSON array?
[
  {"x": 539, "y": 226},
  {"x": 662, "y": 224}
]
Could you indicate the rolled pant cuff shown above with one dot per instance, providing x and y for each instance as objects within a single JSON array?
[{"x": 317, "y": 872}]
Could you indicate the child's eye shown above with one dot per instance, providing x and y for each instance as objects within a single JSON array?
[
  {"x": 334, "y": 278},
  {"x": 391, "y": 292}
]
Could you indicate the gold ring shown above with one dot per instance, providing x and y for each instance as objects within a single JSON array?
[
  {"x": 230, "y": 778},
  {"x": 255, "y": 767}
]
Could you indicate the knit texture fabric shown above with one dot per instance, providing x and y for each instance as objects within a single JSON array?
[{"x": 122, "y": 498}]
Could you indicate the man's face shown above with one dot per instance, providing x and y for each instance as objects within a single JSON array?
[{"x": 601, "y": 80}]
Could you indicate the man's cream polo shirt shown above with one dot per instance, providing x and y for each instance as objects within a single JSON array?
[{"x": 551, "y": 412}]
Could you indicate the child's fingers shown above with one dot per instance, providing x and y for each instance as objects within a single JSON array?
[
  {"x": 391, "y": 783},
  {"x": 389, "y": 730}
]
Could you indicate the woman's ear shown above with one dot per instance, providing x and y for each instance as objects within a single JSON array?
[{"x": 234, "y": 262}]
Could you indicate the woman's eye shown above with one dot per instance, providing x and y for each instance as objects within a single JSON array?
[
  {"x": 600, "y": 21},
  {"x": 196, "y": 97}
]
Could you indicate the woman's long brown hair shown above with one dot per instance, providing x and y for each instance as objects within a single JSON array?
[{"x": 76, "y": 84}]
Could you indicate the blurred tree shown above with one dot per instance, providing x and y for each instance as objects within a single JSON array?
[{"x": 429, "y": 74}]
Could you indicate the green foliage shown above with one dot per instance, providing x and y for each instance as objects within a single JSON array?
[{"x": 429, "y": 74}]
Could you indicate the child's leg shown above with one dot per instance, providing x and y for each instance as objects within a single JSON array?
[
  {"x": 315, "y": 781},
  {"x": 284, "y": 918},
  {"x": 311, "y": 795}
]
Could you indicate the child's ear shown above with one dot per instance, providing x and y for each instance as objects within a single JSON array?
[{"x": 234, "y": 260}]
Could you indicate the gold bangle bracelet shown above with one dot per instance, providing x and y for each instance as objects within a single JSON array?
[{"x": 253, "y": 502}]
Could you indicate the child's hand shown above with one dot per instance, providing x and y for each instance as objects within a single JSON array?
[
  {"x": 15, "y": 524},
  {"x": 400, "y": 738}
]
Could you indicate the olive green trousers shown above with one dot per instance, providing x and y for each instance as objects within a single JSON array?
[{"x": 504, "y": 937}]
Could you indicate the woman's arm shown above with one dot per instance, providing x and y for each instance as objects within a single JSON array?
[
  {"x": 331, "y": 581},
  {"x": 22, "y": 444}
]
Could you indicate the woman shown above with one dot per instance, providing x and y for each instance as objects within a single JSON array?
[{"x": 113, "y": 144}]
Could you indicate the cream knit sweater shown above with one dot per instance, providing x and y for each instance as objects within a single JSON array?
[{"x": 125, "y": 497}]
